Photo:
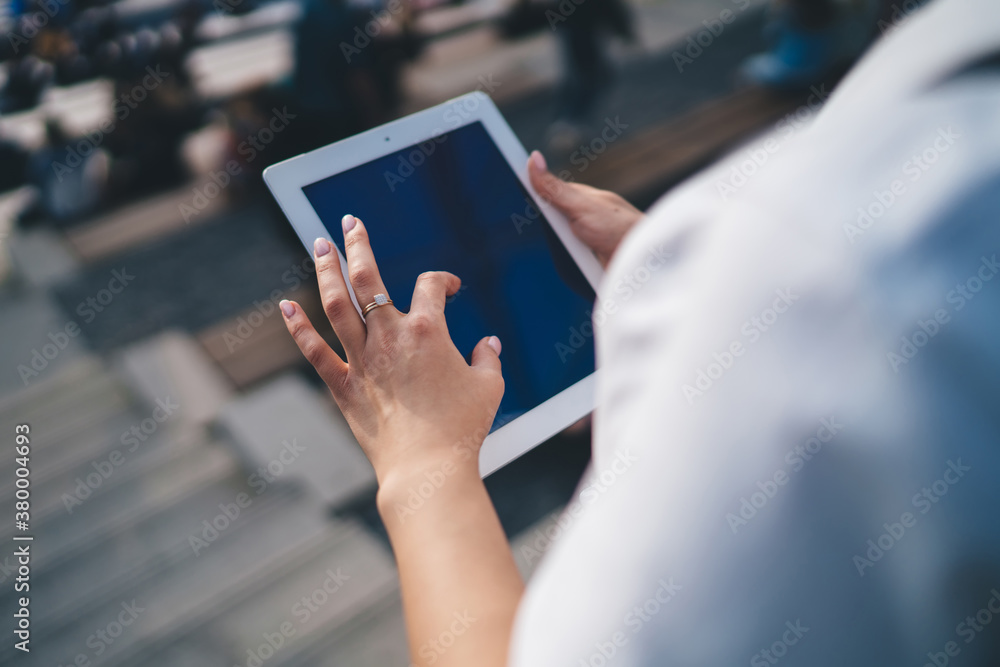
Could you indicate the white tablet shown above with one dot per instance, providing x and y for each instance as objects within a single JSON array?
[{"x": 447, "y": 189}]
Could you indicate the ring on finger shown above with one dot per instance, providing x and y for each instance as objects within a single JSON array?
[{"x": 380, "y": 300}]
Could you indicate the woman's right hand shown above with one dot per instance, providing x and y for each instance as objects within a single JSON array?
[{"x": 599, "y": 218}]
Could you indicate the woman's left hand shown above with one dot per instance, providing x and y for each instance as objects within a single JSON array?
[{"x": 405, "y": 389}]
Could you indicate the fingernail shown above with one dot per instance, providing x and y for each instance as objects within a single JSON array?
[
  {"x": 349, "y": 221},
  {"x": 539, "y": 160},
  {"x": 494, "y": 343},
  {"x": 287, "y": 308},
  {"x": 321, "y": 247}
]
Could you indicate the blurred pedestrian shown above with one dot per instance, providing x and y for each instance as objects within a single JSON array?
[{"x": 811, "y": 40}]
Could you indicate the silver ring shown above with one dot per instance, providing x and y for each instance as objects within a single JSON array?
[{"x": 380, "y": 300}]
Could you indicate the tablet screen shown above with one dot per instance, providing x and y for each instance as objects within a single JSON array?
[{"x": 454, "y": 204}]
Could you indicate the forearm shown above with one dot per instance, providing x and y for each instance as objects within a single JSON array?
[{"x": 459, "y": 583}]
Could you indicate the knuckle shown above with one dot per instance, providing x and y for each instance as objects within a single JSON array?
[
  {"x": 340, "y": 387},
  {"x": 359, "y": 236},
  {"x": 336, "y": 306},
  {"x": 379, "y": 359},
  {"x": 299, "y": 331},
  {"x": 328, "y": 264},
  {"x": 313, "y": 351},
  {"x": 420, "y": 324},
  {"x": 362, "y": 276},
  {"x": 427, "y": 277}
]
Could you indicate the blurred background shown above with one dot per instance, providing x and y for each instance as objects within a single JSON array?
[{"x": 196, "y": 497}]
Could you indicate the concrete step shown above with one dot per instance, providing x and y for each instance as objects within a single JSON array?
[
  {"x": 40, "y": 257},
  {"x": 33, "y": 323},
  {"x": 313, "y": 602},
  {"x": 53, "y": 492},
  {"x": 182, "y": 600},
  {"x": 253, "y": 345},
  {"x": 105, "y": 516},
  {"x": 642, "y": 165},
  {"x": 136, "y": 224},
  {"x": 81, "y": 393},
  {"x": 287, "y": 410},
  {"x": 173, "y": 365},
  {"x": 62, "y": 450},
  {"x": 157, "y": 548}
]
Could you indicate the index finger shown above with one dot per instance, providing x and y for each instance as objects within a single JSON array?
[{"x": 362, "y": 268}]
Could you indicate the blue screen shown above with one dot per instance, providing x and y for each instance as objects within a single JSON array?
[{"x": 454, "y": 204}]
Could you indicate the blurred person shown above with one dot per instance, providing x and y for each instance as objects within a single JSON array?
[
  {"x": 70, "y": 185},
  {"x": 795, "y": 451},
  {"x": 345, "y": 79},
  {"x": 583, "y": 30},
  {"x": 812, "y": 39},
  {"x": 583, "y": 34},
  {"x": 13, "y": 163},
  {"x": 28, "y": 77}
]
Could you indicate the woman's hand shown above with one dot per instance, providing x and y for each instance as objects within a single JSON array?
[
  {"x": 421, "y": 413},
  {"x": 599, "y": 218},
  {"x": 405, "y": 389}
]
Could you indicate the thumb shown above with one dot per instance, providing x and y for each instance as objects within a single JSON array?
[
  {"x": 487, "y": 354},
  {"x": 552, "y": 189}
]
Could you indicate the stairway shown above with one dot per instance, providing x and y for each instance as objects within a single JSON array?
[{"x": 126, "y": 546}]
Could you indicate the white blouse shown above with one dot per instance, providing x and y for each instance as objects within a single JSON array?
[{"x": 797, "y": 439}]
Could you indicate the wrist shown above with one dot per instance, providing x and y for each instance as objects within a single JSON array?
[{"x": 414, "y": 481}]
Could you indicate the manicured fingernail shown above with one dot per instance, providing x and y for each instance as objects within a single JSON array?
[
  {"x": 539, "y": 160},
  {"x": 349, "y": 221},
  {"x": 287, "y": 308},
  {"x": 321, "y": 247},
  {"x": 494, "y": 342}
]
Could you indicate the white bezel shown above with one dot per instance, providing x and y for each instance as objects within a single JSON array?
[{"x": 286, "y": 180}]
